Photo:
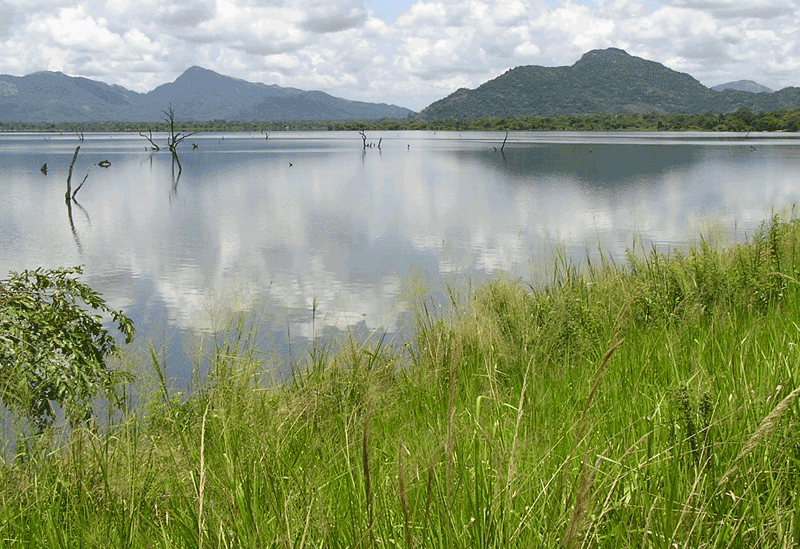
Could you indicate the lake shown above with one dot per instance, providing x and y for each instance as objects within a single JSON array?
[{"x": 322, "y": 235}]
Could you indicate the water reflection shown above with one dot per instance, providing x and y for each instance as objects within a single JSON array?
[{"x": 301, "y": 218}]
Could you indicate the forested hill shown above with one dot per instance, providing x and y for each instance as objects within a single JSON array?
[{"x": 606, "y": 81}]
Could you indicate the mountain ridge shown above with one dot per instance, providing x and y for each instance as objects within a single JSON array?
[
  {"x": 743, "y": 85},
  {"x": 607, "y": 81},
  {"x": 602, "y": 81},
  {"x": 196, "y": 94}
]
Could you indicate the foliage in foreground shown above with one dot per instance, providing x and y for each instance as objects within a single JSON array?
[
  {"x": 650, "y": 405},
  {"x": 52, "y": 348}
]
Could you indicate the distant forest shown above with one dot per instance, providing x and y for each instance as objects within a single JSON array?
[{"x": 742, "y": 120}]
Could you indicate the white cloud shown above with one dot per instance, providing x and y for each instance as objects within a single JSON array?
[
  {"x": 421, "y": 52},
  {"x": 141, "y": 42},
  {"x": 527, "y": 49},
  {"x": 422, "y": 15},
  {"x": 74, "y": 28},
  {"x": 759, "y": 9}
]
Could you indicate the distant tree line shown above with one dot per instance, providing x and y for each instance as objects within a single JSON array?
[{"x": 742, "y": 120}]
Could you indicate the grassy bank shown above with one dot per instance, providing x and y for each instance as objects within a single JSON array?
[{"x": 650, "y": 404}]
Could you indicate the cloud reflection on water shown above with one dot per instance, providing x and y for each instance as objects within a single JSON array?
[{"x": 344, "y": 228}]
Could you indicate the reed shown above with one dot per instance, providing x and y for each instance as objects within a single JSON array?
[{"x": 401, "y": 486}]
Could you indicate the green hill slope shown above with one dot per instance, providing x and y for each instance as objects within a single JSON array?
[{"x": 606, "y": 81}]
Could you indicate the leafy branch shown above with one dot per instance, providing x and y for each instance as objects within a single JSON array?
[{"x": 53, "y": 348}]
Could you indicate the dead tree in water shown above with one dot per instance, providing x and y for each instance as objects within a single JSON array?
[
  {"x": 174, "y": 139},
  {"x": 153, "y": 145},
  {"x": 69, "y": 176},
  {"x": 70, "y": 194},
  {"x": 69, "y": 198},
  {"x": 364, "y": 138}
]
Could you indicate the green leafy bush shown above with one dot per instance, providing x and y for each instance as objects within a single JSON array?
[{"x": 53, "y": 348}]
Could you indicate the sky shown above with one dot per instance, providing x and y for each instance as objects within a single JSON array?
[{"x": 405, "y": 52}]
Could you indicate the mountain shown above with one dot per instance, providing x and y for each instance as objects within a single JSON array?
[
  {"x": 743, "y": 85},
  {"x": 54, "y": 96},
  {"x": 317, "y": 105},
  {"x": 197, "y": 94},
  {"x": 606, "y": 81}
]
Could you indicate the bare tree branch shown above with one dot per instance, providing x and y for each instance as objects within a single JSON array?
[
  {"x": 85, "y": 177},
  {"x": 174, "y": 139},
  {"x": 153, "y": 144}
]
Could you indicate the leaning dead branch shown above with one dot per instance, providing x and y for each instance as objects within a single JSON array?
[
  {"x": 85, "y": 177},
  {"x": 149, "y": 137}
]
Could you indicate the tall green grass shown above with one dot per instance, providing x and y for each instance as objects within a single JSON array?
[{"x": 650, "y": 404}]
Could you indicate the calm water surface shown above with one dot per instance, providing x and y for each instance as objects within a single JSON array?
[{"x": 304, "y": 218}]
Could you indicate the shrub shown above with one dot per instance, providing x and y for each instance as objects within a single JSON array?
[{"x": 53, "y": 348}]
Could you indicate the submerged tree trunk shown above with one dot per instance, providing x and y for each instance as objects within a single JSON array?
[{"x": 69, "y": 176}]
